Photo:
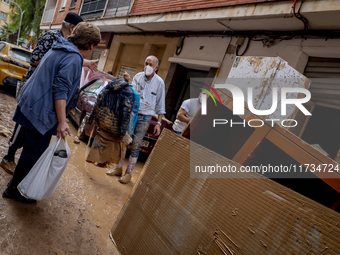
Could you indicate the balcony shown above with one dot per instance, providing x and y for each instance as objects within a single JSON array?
[{"x": 48, "y": 15}]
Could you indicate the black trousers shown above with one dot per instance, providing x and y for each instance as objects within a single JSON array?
[
  {"x": 34, "y": 145},
  {"x": 16, "y": 142}
]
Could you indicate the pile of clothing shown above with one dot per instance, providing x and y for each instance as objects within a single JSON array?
[{"x": 115, "y": 114}]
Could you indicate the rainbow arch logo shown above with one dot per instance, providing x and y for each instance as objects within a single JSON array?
[{"x": 205, "y": 89}]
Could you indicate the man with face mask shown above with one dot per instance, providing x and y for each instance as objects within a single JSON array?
[
  {"x": 188, "y": 109},
  {"x": 150, "y": 88}
]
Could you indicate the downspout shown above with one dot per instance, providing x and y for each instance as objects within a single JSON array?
[
  {"x": 127, "y": 20},
  {"x": 54, "y": 11},
  {"x": 42, "y": 18},
  {"x": 219, "y": 69},
  {"x": 81, "y": 7},
  {"x": 104, "y": 11}
]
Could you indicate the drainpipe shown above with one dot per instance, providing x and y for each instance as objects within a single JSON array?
[
  {"x": 22, "y": 13},
  {"x": 104, "y": 11},
  {"x": 127, "y": 20}
]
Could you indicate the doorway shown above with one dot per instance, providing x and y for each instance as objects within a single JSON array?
[{"x": 179, "y": 88}]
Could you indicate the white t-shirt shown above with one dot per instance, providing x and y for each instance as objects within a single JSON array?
[{"x": 191, "y": 106}]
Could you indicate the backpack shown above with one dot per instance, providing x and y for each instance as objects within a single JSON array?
[
  {"x": 134, "y": 113},
  {"x": 112, "y": 110}
]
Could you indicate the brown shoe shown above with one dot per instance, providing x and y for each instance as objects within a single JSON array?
[
  {"x": 115, "y": 172},
  {"x": 125, "y": 178},
  {"x": 76, "y": 140},
  {"x": 8, "y": 166}
]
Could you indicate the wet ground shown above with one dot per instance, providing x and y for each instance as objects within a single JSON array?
[{"x": 77, "y": 219}]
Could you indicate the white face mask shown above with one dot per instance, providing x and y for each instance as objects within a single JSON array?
[{"x": 148, "y": 70}]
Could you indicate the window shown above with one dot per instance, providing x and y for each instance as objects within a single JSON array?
[
  {"x": 5, "y": 1},
  {"x": 118, "y": 7},
  {"x": 96, "y": 54},
  {"x": 73, "y": 3},
  {"x": 92, "y": 8},
  {"x": 92, "y": 89},
  {"x": 2, "y": 45},
  {"x": 129, "y": 70},
  {"x": 101, "y": 88},
  {"x": 20, "y": 54},
  {"x": 3, "y": 16},
  {"x": 63, "y": 4}
]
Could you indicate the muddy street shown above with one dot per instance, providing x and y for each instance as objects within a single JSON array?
[{"x": 78, "y": 217}]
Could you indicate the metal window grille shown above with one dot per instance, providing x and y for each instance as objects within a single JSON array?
[
  {"x": 73, "y": 3},
  {"x": 3, "y": 16},
  {"x": 96, "y": 54},
  {"x": 130, "y": 70},
  {"x": 93, "y": 6},
  {"x": 118, "y": 7}
]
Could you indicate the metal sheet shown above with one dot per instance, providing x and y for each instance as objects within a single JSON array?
[{"x": 325, "y": 76}]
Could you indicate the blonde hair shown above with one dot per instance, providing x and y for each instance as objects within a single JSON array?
[{"x": 84, "y": 35}]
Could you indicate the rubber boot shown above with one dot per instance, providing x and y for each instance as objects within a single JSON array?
[
  {"x": 117, "y": 170},
  {"x": 127, "y": 176}
]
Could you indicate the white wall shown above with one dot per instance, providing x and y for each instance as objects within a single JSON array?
[
  {"x": 213, "y": 48},
  {"x": 295, "y": 52}
]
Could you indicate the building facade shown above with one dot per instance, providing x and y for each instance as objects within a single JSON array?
[
  {"x": 54, "y": 14},
  {"x": 4, "y": 9}
]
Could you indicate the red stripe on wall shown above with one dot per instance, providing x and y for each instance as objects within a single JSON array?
[{"x": 141, "y": 7}]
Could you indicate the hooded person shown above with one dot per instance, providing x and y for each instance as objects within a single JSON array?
[
  {"x": 112, "y": 115},
  {"x": 46, "y": 98},
  {"x": 44, "y": 44}
]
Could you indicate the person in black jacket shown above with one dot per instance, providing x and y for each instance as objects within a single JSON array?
[{"x": 111, "y": 114}]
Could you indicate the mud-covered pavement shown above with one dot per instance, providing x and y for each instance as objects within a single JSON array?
[{"x": 77, "y": 219}]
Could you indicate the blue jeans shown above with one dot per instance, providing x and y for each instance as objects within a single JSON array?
[{"x": 141, "y": 127}]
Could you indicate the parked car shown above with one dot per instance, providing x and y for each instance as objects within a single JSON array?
[
  {"x": 14, "y": 63},
  {"x": 85, "y": 100}
]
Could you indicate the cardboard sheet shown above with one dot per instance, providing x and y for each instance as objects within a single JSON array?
[{"x": 167, "y": 212}]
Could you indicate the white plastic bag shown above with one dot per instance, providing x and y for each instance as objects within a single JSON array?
[{"x": 46, "y": 174}]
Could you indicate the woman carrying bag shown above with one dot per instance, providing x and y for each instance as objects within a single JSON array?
[{"x": 46, "y": 97}]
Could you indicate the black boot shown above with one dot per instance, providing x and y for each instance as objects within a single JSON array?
[{"x": 13, "y": 193}]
